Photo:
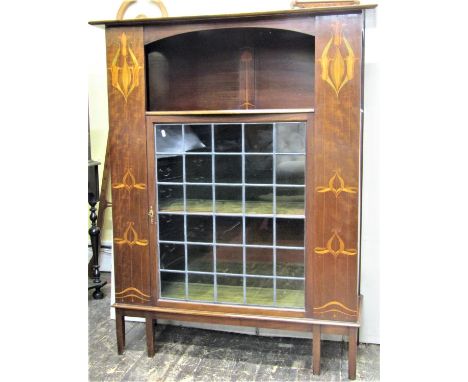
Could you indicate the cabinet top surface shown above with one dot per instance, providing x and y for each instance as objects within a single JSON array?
[{"x": 188, "y": 19}]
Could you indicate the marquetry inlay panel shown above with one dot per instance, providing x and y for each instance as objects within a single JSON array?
[
  {"x": 125, "y": 68},
  {"x": 130, "y": 294},
  {"x": 334, "y": 244},
  {"x": 337, "y": 60},
  {"x": 129, "y": 182},
  {"x": 127, "y": 137}
]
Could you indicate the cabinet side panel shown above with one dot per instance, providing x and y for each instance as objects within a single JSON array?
[
  {"x": 127, "y": 133},
  {"x": 336, "y": 157}
]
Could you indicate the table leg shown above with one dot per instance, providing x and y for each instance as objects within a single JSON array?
[
  {"x": 120, "y": 330},
  {"x": 352, "y": 350},
  {"x": 150, "y": 335},
  {"x": 316, "y": 349}
]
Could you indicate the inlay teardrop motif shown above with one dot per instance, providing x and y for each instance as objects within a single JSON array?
[
  {"x": 337, "y": 60},
  {"x": 129, "y": 182},
  {"x": 130, "y": 237},
  {"x": 125, "y": 69},
  {"x": 335, "y": 246},
  {"x": 336, "y": 185}
]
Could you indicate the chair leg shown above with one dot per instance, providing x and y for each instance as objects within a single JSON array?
[
  {"x": 150, "y": 335},
  {"x": 352, "y": 350},
  {"x": 316, "y": 349},
  {"x": 120, "y": 330}
]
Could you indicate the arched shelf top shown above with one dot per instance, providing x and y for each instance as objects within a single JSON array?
[
  {"x": 250, "y": 33},
  {"x": 304, "y": 24}
]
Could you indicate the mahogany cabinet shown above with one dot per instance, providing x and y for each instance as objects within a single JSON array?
[{"x": 235, "y": 162}]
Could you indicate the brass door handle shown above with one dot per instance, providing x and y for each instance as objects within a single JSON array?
[{"x": 151, "y": 214}]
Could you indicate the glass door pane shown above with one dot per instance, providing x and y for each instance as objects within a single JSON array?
[{"x": 231, "y": 211}]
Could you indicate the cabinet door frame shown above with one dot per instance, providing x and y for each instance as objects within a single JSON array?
[{"x": 151, "y": 120}]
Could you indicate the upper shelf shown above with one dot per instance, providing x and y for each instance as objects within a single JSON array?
[
  {"x": 228, "y": 112},
  {"x": 258, "y": 15},
  {"x": 231, "y": 69}
]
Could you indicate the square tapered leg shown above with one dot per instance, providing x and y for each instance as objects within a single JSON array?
[
  {"x": 352, "y": 350},
  {"x": 150, "y": 335},
  {"x": 120, "y": 330},
  {"x": 316, "y": 349}
]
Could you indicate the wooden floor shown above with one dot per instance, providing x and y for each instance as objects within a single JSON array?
[{"x": 186, "y": 354}]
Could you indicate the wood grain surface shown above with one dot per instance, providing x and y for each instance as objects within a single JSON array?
[
  {"x": 333, "y": 167},
  {"x": 232, "y": 68},
  {"x": 336, "y": 167},
  {"x": 127, "y": 137}
]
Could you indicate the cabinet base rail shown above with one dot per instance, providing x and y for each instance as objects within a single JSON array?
[{"x": 317, "y": 327}]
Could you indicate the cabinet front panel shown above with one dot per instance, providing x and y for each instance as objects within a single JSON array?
[
  {"x": 231, "y": 197},
  {"x": 336, "y": 163},
  {"x": 127, "y": 139}
]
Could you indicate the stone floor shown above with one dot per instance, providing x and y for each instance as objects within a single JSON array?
[{"x": 186, "y": 354}]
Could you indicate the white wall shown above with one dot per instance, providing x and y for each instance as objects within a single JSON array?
[{"x": 370, "y": 256}]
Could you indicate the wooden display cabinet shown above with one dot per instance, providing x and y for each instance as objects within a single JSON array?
[{"x": 235, "y": 161}]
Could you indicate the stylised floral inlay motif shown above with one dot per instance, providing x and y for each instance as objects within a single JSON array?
[
  {"x": 132, "y": 292},
  {"x": 125, "y": 69},
  {"x": 247, "y": 78},
  {"x": 130, "y": 237},
  {"x": 337, "y": 60},
  {"x": 129, "y": 182},
  {"x": 335, "y": 306},
  {"x": 335, "y": 246},
  {"x": 336, "y": 185}
]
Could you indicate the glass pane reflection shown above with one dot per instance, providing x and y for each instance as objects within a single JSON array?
[
  {"x": 228, "y": 169},
  {"x": 197, "y": 138},
  {"x": 259, "y": 230},
  {"x": 171, "y": 227},
  {"x": 200, "y": 228},
  {"x": 170, "y": 198},
  {"x": 229, "y": 229},
  {"x": 228, "y": 199},
  {"x": 229, "y": 260},
  {"x": 199, "y": 198},
  {"x": 200, "y": 287},
  {"x": 290, "y": 232},
  {"x": 290, "y": 200},
  {"x": 290, "y": 293},
  {"x": 172, "y": 256},
  {"x": 259, "y": 169},
  {"x": 290, "y": 262},
  {"x": 290, "y": 137},
  {"x": 228, "y": 138},
  {"x": 290, "y": 169},
  {"x": 169, "y": 139},
  {"x": 230, "y": 289},
  {"x": 259, "y": 138},
  {"x": 259, "y": 291},
  {"x": 169, "y": 168},
  {"x": 198, "y": 168},
  {"x": 259, "y": 261},
  {"x": 172, "y": 285},
  {"x": 258, "y": 200},
  {"x": 200, "y": 258}
]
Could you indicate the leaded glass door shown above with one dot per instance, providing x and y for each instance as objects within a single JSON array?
[{"x": 231, "y": 212}]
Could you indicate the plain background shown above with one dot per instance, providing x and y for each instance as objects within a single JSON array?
[{"x": 422, "y": 201}]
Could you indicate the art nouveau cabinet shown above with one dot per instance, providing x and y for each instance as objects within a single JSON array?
[{"x": 235, "y": 162}]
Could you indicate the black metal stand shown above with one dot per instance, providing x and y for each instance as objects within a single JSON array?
[{"x": 94, "y": 233}]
